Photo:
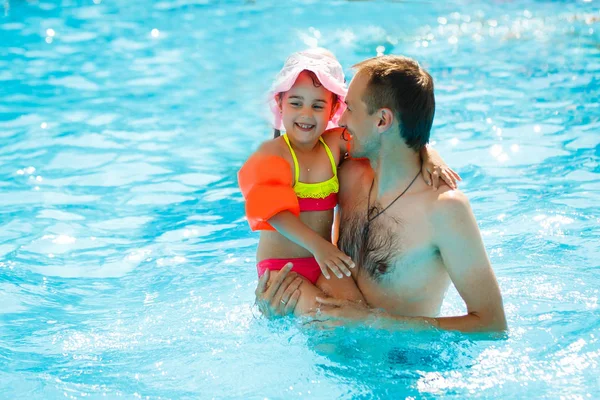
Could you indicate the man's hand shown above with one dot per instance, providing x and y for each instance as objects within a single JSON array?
[
  {"x": 331, "y": 310},
  {"x": 280, "y": 298}
]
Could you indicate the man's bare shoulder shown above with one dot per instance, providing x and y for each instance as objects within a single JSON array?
[{"x": 449, "y": 208}]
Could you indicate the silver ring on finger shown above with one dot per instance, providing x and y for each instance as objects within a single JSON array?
[{"x": 283, "y": 302}]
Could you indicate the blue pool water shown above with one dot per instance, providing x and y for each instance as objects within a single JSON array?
[{"x": 125, "y": 262}]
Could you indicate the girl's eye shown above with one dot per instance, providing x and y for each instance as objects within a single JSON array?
[
  {"x": 318, "y": 107},
  {"x": 295, "y": 104}
]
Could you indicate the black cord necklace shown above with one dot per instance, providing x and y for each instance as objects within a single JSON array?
[{"x": 369, "y": 219}]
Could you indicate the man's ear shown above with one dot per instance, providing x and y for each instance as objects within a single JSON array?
[{"x": 385, "y": 119}]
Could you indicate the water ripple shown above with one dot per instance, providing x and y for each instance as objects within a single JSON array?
[{"x": 127, "y": 268}]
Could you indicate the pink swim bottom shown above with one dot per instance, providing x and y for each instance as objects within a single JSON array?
[{"x": 307, "y": 267}]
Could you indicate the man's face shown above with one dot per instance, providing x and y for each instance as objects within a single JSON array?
[{"x": 358, "y": 122}]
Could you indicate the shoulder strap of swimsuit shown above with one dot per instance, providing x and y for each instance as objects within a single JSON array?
[
  {"x": 333, "y": 166},
  {"x": 296, "y": 167}
]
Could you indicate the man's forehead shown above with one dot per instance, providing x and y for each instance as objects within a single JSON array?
[{"x": 357, "y": 85}]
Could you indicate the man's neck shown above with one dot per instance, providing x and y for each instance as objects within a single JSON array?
[{"x": 396, "y": 165}]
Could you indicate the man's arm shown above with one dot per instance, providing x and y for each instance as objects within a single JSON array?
[{"x": 464, "y": 256}]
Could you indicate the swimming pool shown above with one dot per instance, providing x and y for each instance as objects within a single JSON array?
[{"x": 126, "y": 267}]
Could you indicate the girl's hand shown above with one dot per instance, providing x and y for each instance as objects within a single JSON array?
[
  {"x": 434, "y": 167},
  {"x": 330, "y": 257}
]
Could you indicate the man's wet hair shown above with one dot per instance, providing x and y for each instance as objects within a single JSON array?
[{"x": 400, "y": 84}]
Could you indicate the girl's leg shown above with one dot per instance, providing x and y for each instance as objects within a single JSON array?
[{"x": 340, "y": 288}]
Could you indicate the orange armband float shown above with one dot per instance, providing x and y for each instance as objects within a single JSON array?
[{"x": 266, "y": 183}]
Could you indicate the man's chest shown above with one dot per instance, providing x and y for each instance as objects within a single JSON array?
[
  {"x": 384, "y": 243},
  {"x": 398, "y": 267}
]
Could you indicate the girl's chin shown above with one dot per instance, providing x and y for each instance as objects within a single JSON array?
[{"x": 302, "y": 137}]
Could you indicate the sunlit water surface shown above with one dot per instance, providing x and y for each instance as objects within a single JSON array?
[{"x": 126, "y": 267}]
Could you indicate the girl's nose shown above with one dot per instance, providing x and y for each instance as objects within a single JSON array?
[{"x": 307, "y": 111}]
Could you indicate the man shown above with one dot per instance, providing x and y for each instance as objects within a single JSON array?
[{"x": 408, "y": 241}]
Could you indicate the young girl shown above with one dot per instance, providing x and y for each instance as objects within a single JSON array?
[{"x": 290, "y": 183}]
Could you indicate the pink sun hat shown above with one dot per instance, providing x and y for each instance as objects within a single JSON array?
[{"x": 327, "y": 69}]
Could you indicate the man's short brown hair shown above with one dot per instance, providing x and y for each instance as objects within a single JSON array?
[{"x": 400, "y": 84}]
